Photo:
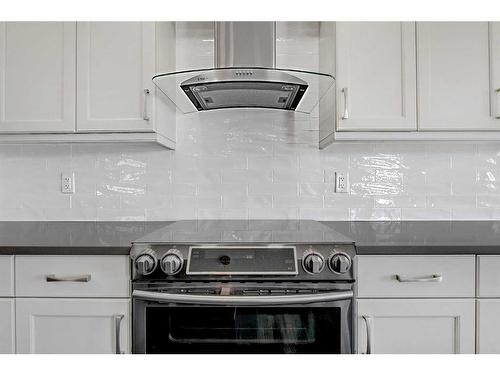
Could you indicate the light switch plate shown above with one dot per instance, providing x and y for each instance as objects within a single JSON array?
[
  {"x": 68, "y": 183},
  {"x": 341, "y": 182}
]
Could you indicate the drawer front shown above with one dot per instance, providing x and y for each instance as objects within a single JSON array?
[
  {"x": 416, "y": 276},
  {"x": 72, "y": 276},
  {"x": 6, "y": 276},
  {"x": 488, "y": 275}
]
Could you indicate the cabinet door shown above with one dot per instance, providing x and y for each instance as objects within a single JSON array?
[
  {"x": 495, "y": 70},
  {"x": 376, "y": 76},
  {"x": 455, "y": 88},
  {"x": 115, "y": 65},
  {"x": 37, "y": 76},
  {"x": 488, "y": 326},
  {"x": 61, "y": 326},
  {"x": 6, "y": 325},
  {"x": 416, "y": 326}
]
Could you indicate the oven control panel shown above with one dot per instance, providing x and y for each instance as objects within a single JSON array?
[{"x": 208, "y": 261}]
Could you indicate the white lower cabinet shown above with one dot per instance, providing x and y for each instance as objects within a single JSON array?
[
  {"x": 416, "y": 326},
  {"x": 488, "y": 326},
  {"x": 7, "y": 326},
  {"x": 77, "y": 326}
]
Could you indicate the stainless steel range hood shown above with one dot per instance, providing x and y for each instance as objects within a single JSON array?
[{"x": 245, "y": 75}]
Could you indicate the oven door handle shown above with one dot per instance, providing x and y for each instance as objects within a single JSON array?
[{"x": 242, "y": 300}]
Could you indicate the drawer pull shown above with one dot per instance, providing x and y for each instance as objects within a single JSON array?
[
  {"x": 497, "y": 91},
  {"x": 368, "y": 324},
  {"x": 428, "y": 279},
  {"x": 118, "y": 320},
  {"x": 145, "y": 115},
  {"x": 73, "y": 279},
  {"x": 345, "y": 114}
]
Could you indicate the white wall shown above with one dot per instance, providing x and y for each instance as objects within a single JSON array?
[{"x": 251, "y": 164}]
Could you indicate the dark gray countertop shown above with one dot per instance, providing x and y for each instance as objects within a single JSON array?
[
  {"x": 422, "y": 237},
  {"x": 406, "y": 237},
  {"x": 74, "y": 237}
]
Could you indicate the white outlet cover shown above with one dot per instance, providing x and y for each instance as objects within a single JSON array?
[
  {"x": 68, "y": 183},
  {"x": 341, "y": 182}
]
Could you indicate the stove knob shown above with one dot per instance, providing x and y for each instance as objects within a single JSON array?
[
  {"x": 340, "y": 263},
  {"x": 313, "y": 263},
  {"x": 146, "y": 262},
  {"x": 172, "y": 262}
]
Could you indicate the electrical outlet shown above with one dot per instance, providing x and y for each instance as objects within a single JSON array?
[
  {"x": 68, "y": 183},
  {"x": 341, "y": 182}
]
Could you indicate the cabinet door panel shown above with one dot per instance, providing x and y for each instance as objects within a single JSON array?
[
  {"x": 6, "y": 276},
  {"x": 78, "y": 326},
  {"x": 7, "y": 326},
  {"x": 495, "y": 69},
  {"x": 376, "y": 64},
  {"x": 116, "y": 62},
  {"x": 416, "y": 326},
  {"x": 37, "y": 76},
  {"x": 454, "y": 76},
  {"x": 488, "y": 326}
]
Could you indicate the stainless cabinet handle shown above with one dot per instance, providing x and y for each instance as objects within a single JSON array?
[
  {"x": 432, "y": 279},
  {"x": 345, "y": 115},
  {"x": 368, "y": 324},
  {"x": 118, "y": 320},
  {"x": 73, "y": 279},
  {"x": 497, "y": 91},
  {"x": 145, "y": 115}
]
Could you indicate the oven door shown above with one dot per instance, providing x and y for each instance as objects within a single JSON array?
[{"x": 319, "y": 323}]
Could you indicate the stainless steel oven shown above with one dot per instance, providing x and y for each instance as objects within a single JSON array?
[
  {"x": 245, "y": 297},
  {"x": 251, "y": 318}
]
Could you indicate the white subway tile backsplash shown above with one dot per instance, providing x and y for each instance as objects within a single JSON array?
[
  {"x": 476, "y": 214},
  {"x": 221, "y": 214},
  {"x": 291, "y": 201},
  {"x": 246, "y": 176},
  {"x": 410, "y": 181},
  {"x": 426, "y": 214},
  {"x": 375, "y": 214},
  {"x": 317, "y": 189},
  {"x": 235, "y": 201},
  {"x": 221, "y": 189},
  {"x": 488, "y": 201},
  {"x": 273, "y": 213},
  {"x": 454, "y": 201},
  {"x": 257, "y": 188}
]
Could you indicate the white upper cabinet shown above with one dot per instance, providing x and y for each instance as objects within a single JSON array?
[
  {"x": 457, "y": 66},
  {"x": 116, "y": 62},
  {"x": 376, "y": 76},
  {"x": 37, "y": 77},
  {"x": 495, "y": 70}
]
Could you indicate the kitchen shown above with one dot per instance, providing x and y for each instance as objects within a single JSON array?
[{"x": 330, "y": 188}]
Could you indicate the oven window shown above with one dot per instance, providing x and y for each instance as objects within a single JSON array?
[{"x": 243, "y": 329}]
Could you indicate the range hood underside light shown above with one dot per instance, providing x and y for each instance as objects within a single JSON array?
[{"x": 258, "y": 94}]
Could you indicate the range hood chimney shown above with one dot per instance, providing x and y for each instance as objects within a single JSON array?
[
  {"x": 244, "y": 75},
  {"x": 250, "y": 44}
]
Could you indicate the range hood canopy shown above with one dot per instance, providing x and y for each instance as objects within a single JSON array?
[{"x": 245, "y": 75}]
